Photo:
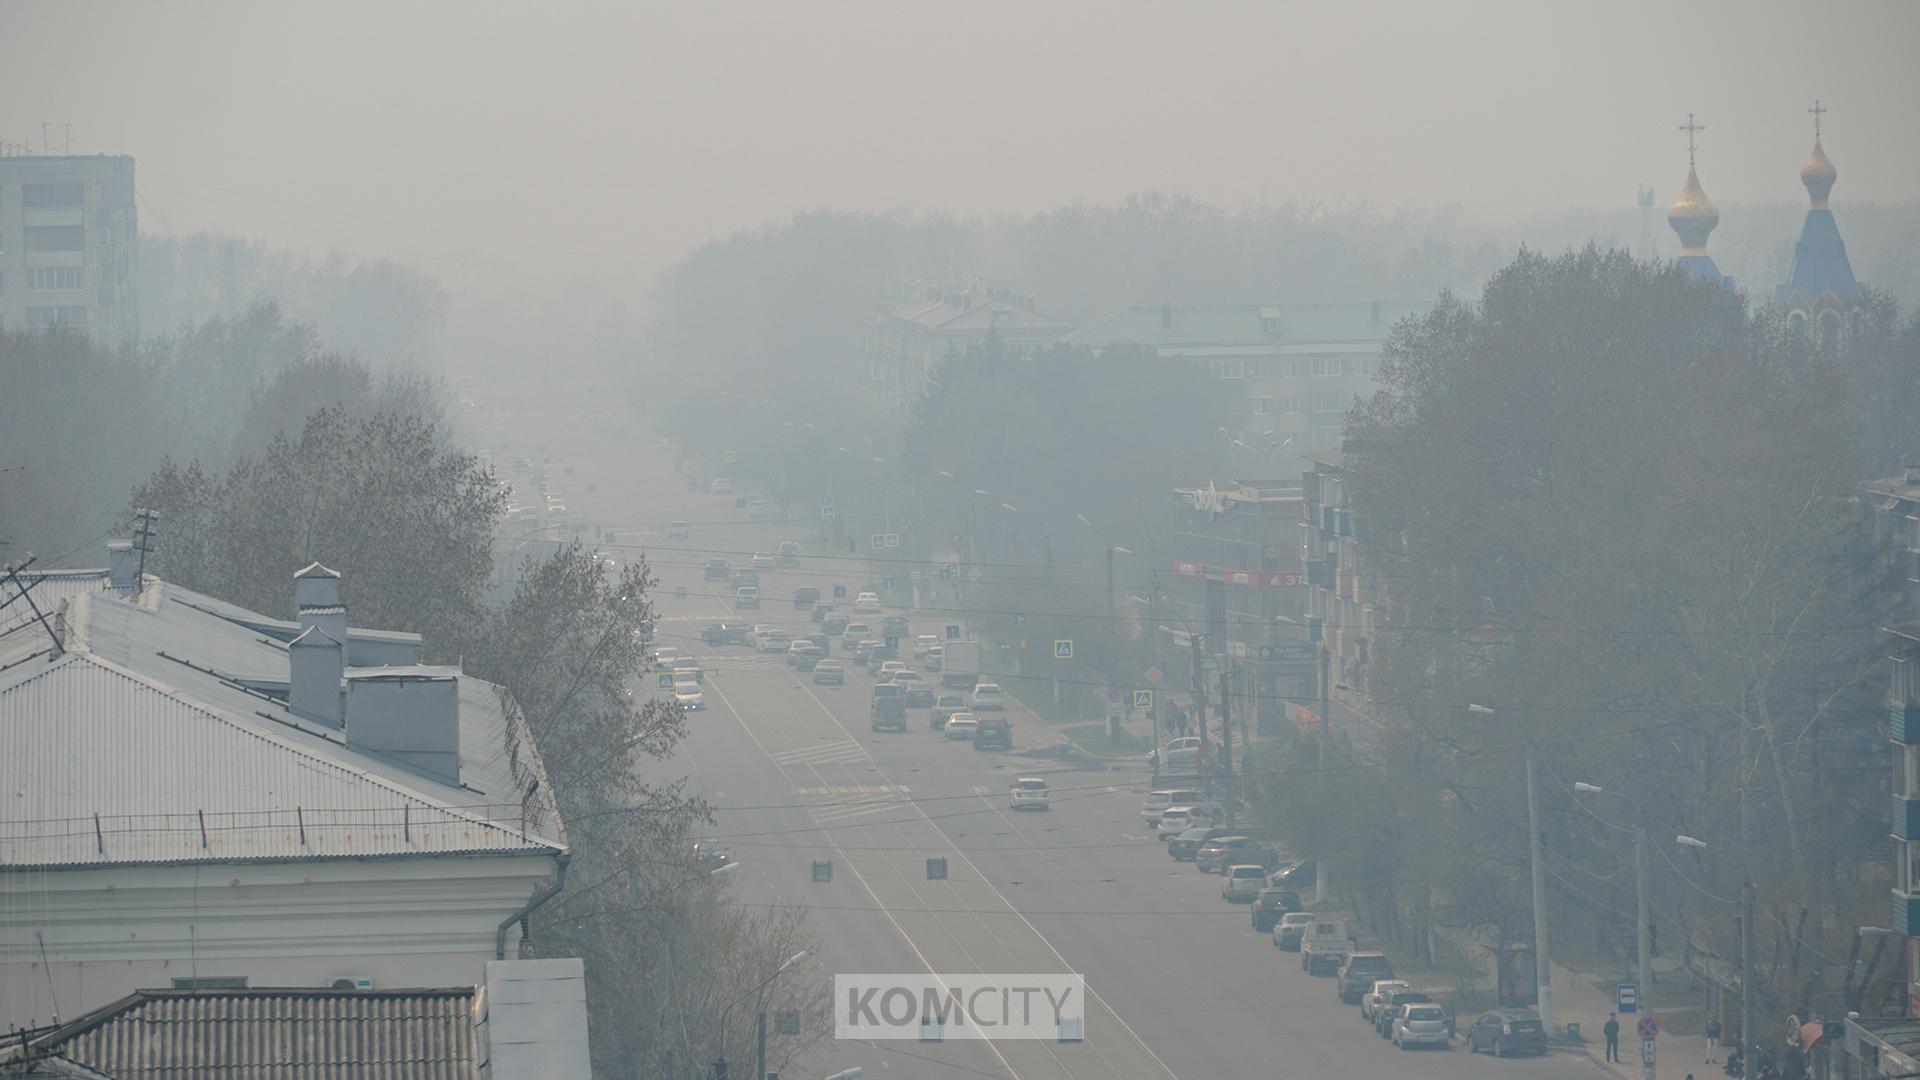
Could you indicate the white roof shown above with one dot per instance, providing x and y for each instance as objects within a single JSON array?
[{"x": 163, "y": 715}]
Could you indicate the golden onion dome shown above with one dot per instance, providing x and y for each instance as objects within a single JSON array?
[
  {"x": 1818, "y": 174},
  {"x": 1693, "y": 216}
]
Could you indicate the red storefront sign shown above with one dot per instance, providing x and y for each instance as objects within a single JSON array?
[{"x": 1252, "y": 579}]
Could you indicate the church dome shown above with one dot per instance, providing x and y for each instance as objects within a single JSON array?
[
  {"x": 1818, "y": 174},
  {"x": 1693, "y": 216}
]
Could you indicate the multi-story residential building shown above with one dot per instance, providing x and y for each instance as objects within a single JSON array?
[
  {"x": 901, "y": 348},
  {"x": 199, "y": 796},
  {"x": 1883, "y": 1042},
  {"x": 69, "y": 242},
  {"x": 1341, "y": 599},
  {"x": 1296, "y": 368}
]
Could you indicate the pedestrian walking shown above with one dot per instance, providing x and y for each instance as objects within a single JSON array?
[
  {"x": 1713, "y": 1037},
  {"x": 1612, "y": 1032}
]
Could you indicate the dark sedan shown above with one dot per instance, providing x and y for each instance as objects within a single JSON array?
[{"x": 1507, "y": 1031}]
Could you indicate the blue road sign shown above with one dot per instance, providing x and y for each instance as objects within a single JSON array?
[
  {"x": 946, "y": 572},
  {"x": 1019, "y": 618},
  {"x": 1626, "y": 997},
  {"x": 664, "y": 680},
  {"x": 1063, "y": 649},
  {"x": 953, "y": 631},
  {"x": 1143, "y": 699},
  {"x": 886, "y": 584},
  {"x": 739, "y": 504}
]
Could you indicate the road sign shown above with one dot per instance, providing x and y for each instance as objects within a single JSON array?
[
  {"x": 1626, "y": 997},
  {"x": 826, "y": 513},
  {"x": 739, "y": 504},
  {"x": 839, "y": 592},
  {"x": 1143, "y": 699},
  {"x": 1648, "y": 1027},
  {"x": 953, "y": 631},
  {"x": 973, "y": 574},
  {"x": 728, "y": 457},
  {"x": 1153, "y": 673},
  {"x": 1019, "y": 618},
  {"x": 1063, "y": 649},
  {"x": 886, "y": 584},
  {"x": 946, "y": 572},
  {"x": 877, "y": 540},
  {"x": 1113, "y": 695},
  {"x": 1288, "y": 652},
  {"x": 892, "y": 539},
  {"x": 664, "y": 680}
]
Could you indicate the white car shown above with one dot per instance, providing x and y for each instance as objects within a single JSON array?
[
  {"x": 1182, "y": 753},
  {"x": 687, "y": 665},
  {"x": 925, "y": 644},
  {"x": 1421, "y": 1025},
  {"x": 1157, "y": 801},
  {"x": 665, "y": 655},
  {"x": 761, "y": 561},
  {"x": 689, "y": 697},
  {"x": 721, "y": 486},
  {"x": 889, "y": 667},
  {"x": 1029, "y": 792},
  {"x": 774, "y": 641},
  {"x": 853, "y": 635},
  {"x": 866, "y": 604},
  {"x": 1173, "y": 822},
  {"x": 1243, "y": 883},
  {"x": 1378, "y": 994},
  {"x": 988, "y": 697},
  {"x": 746, "y": 596},
  {"x": 961, "y": 727}
]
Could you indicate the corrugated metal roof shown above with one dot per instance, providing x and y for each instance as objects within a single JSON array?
[
  {"x": 99, "y": 766},
  {"x": 49, "y": 589},
  {"x": 269, "y": 1034}
]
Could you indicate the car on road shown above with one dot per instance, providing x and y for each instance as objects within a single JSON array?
[
  {"x": 919, "y": 695},
  {"x": 1030, "y": 793},
  {"x": 1182, "y": 847},
  {"x": 1359, "y": 971},
  {"x": 718, "y": 570},
  {"x": 879, "y": 654},
  {"x": 829, "y": 673},
  {"x": 1421, "y": 1025},
  {"x": 1270, "y": 905},
  {"x": 720, "y": 486},
  {"x": 1392, "y": 1003},
  {"x": 1242, "y": 883},
  {"x": 925, "y": 644},
  {"x": 994, "y": 733},
  {"x": 775, "y": 641},
  {"x": 1178, "y": 755},
  {"x": 888, "y": 667},
  {"x": 887, "y": 708},
  {"x": 746, "y": 596},
  {"x": 988, "y": 697},
  {"x": 664, "y": 656},
  {"x": 761, "y": 561},
  {"x": 1506, "y": 1031},
  {"x": 721, "y": 633},
  {"x": 835, "y": 624},
  {"x": 936, "y": 657},
  {"x": 789, "y": 553},
  {"x": 945, "y": 705},
  {"x": 852, "y": 634},
  {"x": 819, "y": 612},
  {"x": 1288, "y": 931},
  {"x": 805, "y": 597},
  {"x": 688, "y": 666},
  {"x": 708, "y": 855},
  {"x": 1157, "y": 802},
  {"x": 1298, "y": 874},
  {"x": 961, "y": 727},
  {"x": 1177, "y": 819},
  {"x": 1376, "y": 995},
  {"x": 689, "y": 697},
  {"x": 1324, "y": 946},
  {"x": 1227, "y": 851},
  {"x": 678, "y": 530},
  {"x": 803, "y": 655},
  {"x": 820, "y": 641},
  {"x": 746, "y": 576},
  {"x": 866, "y": 604},
  {"x": 895, "y": 626}
]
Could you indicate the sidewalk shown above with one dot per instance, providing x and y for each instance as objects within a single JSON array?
[{"x": 1586, "y": 1000}]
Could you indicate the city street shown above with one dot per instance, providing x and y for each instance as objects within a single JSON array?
[{"x": 1179, "y": 984}]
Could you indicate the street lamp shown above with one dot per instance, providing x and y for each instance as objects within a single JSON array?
[
  {"x": 1643, "y": 920},
  {"x": 1112, "y": 549},
  {"x": 760, "y": 1008},
  {"x": 1746, "y": 949},
  {"x": 1542, "y": 955}
]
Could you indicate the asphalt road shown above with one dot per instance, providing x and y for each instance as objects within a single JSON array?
[{"x": 1179, "y": 984}]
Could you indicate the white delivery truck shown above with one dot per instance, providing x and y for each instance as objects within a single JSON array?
[{"x": 960, "y": 664}]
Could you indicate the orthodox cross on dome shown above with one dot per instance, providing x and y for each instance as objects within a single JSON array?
[
  {"x": 1818, "y": 110},
  {"x": 1691, "y": 128}
]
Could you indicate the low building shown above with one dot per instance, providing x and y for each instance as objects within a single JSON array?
[
  {"x": 1296, "y": 368},
  {"x": 69, "y": 244},
  {"x": 901, "y": 349},
  {"x": 197, "y": 795}
]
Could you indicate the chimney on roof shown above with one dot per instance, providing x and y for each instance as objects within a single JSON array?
[
  {"x": 121, "y": 566},
  {"x": 316, "y": 593},
  {"x": 316, "y": 661},
  {"x": 1166, "y": 316},
  {"x": 409, "y": 714}
]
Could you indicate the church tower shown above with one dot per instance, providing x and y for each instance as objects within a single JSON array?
[
  {"x": 1693, "y": 217},
  {"x": 1821, "y": 284}
]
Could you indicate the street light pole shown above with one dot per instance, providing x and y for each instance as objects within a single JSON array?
[
  {"x": 1643, "y": 917},
  {"x": 1542, "y": 958}
]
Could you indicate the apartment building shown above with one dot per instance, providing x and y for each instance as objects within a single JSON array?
[{"x": 69, "y": 241}]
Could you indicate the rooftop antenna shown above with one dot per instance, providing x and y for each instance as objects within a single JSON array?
[
  {"x": 1691, "y": 128},
  {"x": 1646, "y": 222},
  {"x": 143, "y": 543}
]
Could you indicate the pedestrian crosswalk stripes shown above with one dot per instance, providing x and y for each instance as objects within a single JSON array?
[
  {"x": 853, "y": 789},
  {"x": 854, "y": 809},
  {"x": 841, "y": 752}
]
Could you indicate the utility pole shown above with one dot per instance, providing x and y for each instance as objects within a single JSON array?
[
  {"x": 1199, "y": 700},
  {"x": 1110, "y": 606},
  {"x": 1542, "y": 962},
  {"x": 1746, "y": 972},
  {"x": 1226, "y": 729},
  {"x": 1326, "y": 690},
  {"x": 760, "y": 1053},
  {"x": 1645, "y": 943}
]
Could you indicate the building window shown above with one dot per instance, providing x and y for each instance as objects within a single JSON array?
[
  {"x": 1294, "y": 367},
  {"x": 1326, "y": 366},
  {"x": 1325, "y": 438},
  {"x": 52, "y": 196},
  {"x": 42, "y": 317},
  {"x": 56, "y": 238},
  {"x": 1329, "y": 401},
  {"x": 1232, "y": 367},
  {"x": 1906, "y": 866},
  {"x": 44, "y": 278},
  {"x": 1262, "y": 406},
  {"x": 1288, "y": 405},
  {"x": 1906, "y": 767}
]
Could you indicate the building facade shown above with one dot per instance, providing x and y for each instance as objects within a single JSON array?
[
  {"x": 1295, "y": 369},
  {"x": 69, "y": 244},
  {"x": 900, "y": 350}
]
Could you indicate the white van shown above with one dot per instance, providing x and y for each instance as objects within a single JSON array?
[
  {"x": 1158, "y": 801},
  {"x": 988, "y": 698},
  {"x": 746, "y": 596}
]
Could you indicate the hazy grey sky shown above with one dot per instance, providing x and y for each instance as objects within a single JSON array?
[{"x": 595, "y": 138}]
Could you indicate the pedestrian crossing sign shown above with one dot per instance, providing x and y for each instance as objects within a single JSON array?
[
  {"x": 1063, "y": 649},
  {"x": 664, "y": 680},
  {"x": 1143, "y": 699}
]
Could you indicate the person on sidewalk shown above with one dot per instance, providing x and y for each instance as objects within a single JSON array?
[
  {"x": 1612, "y": 1032},
  {"x": 1713, "y": 1037}
]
